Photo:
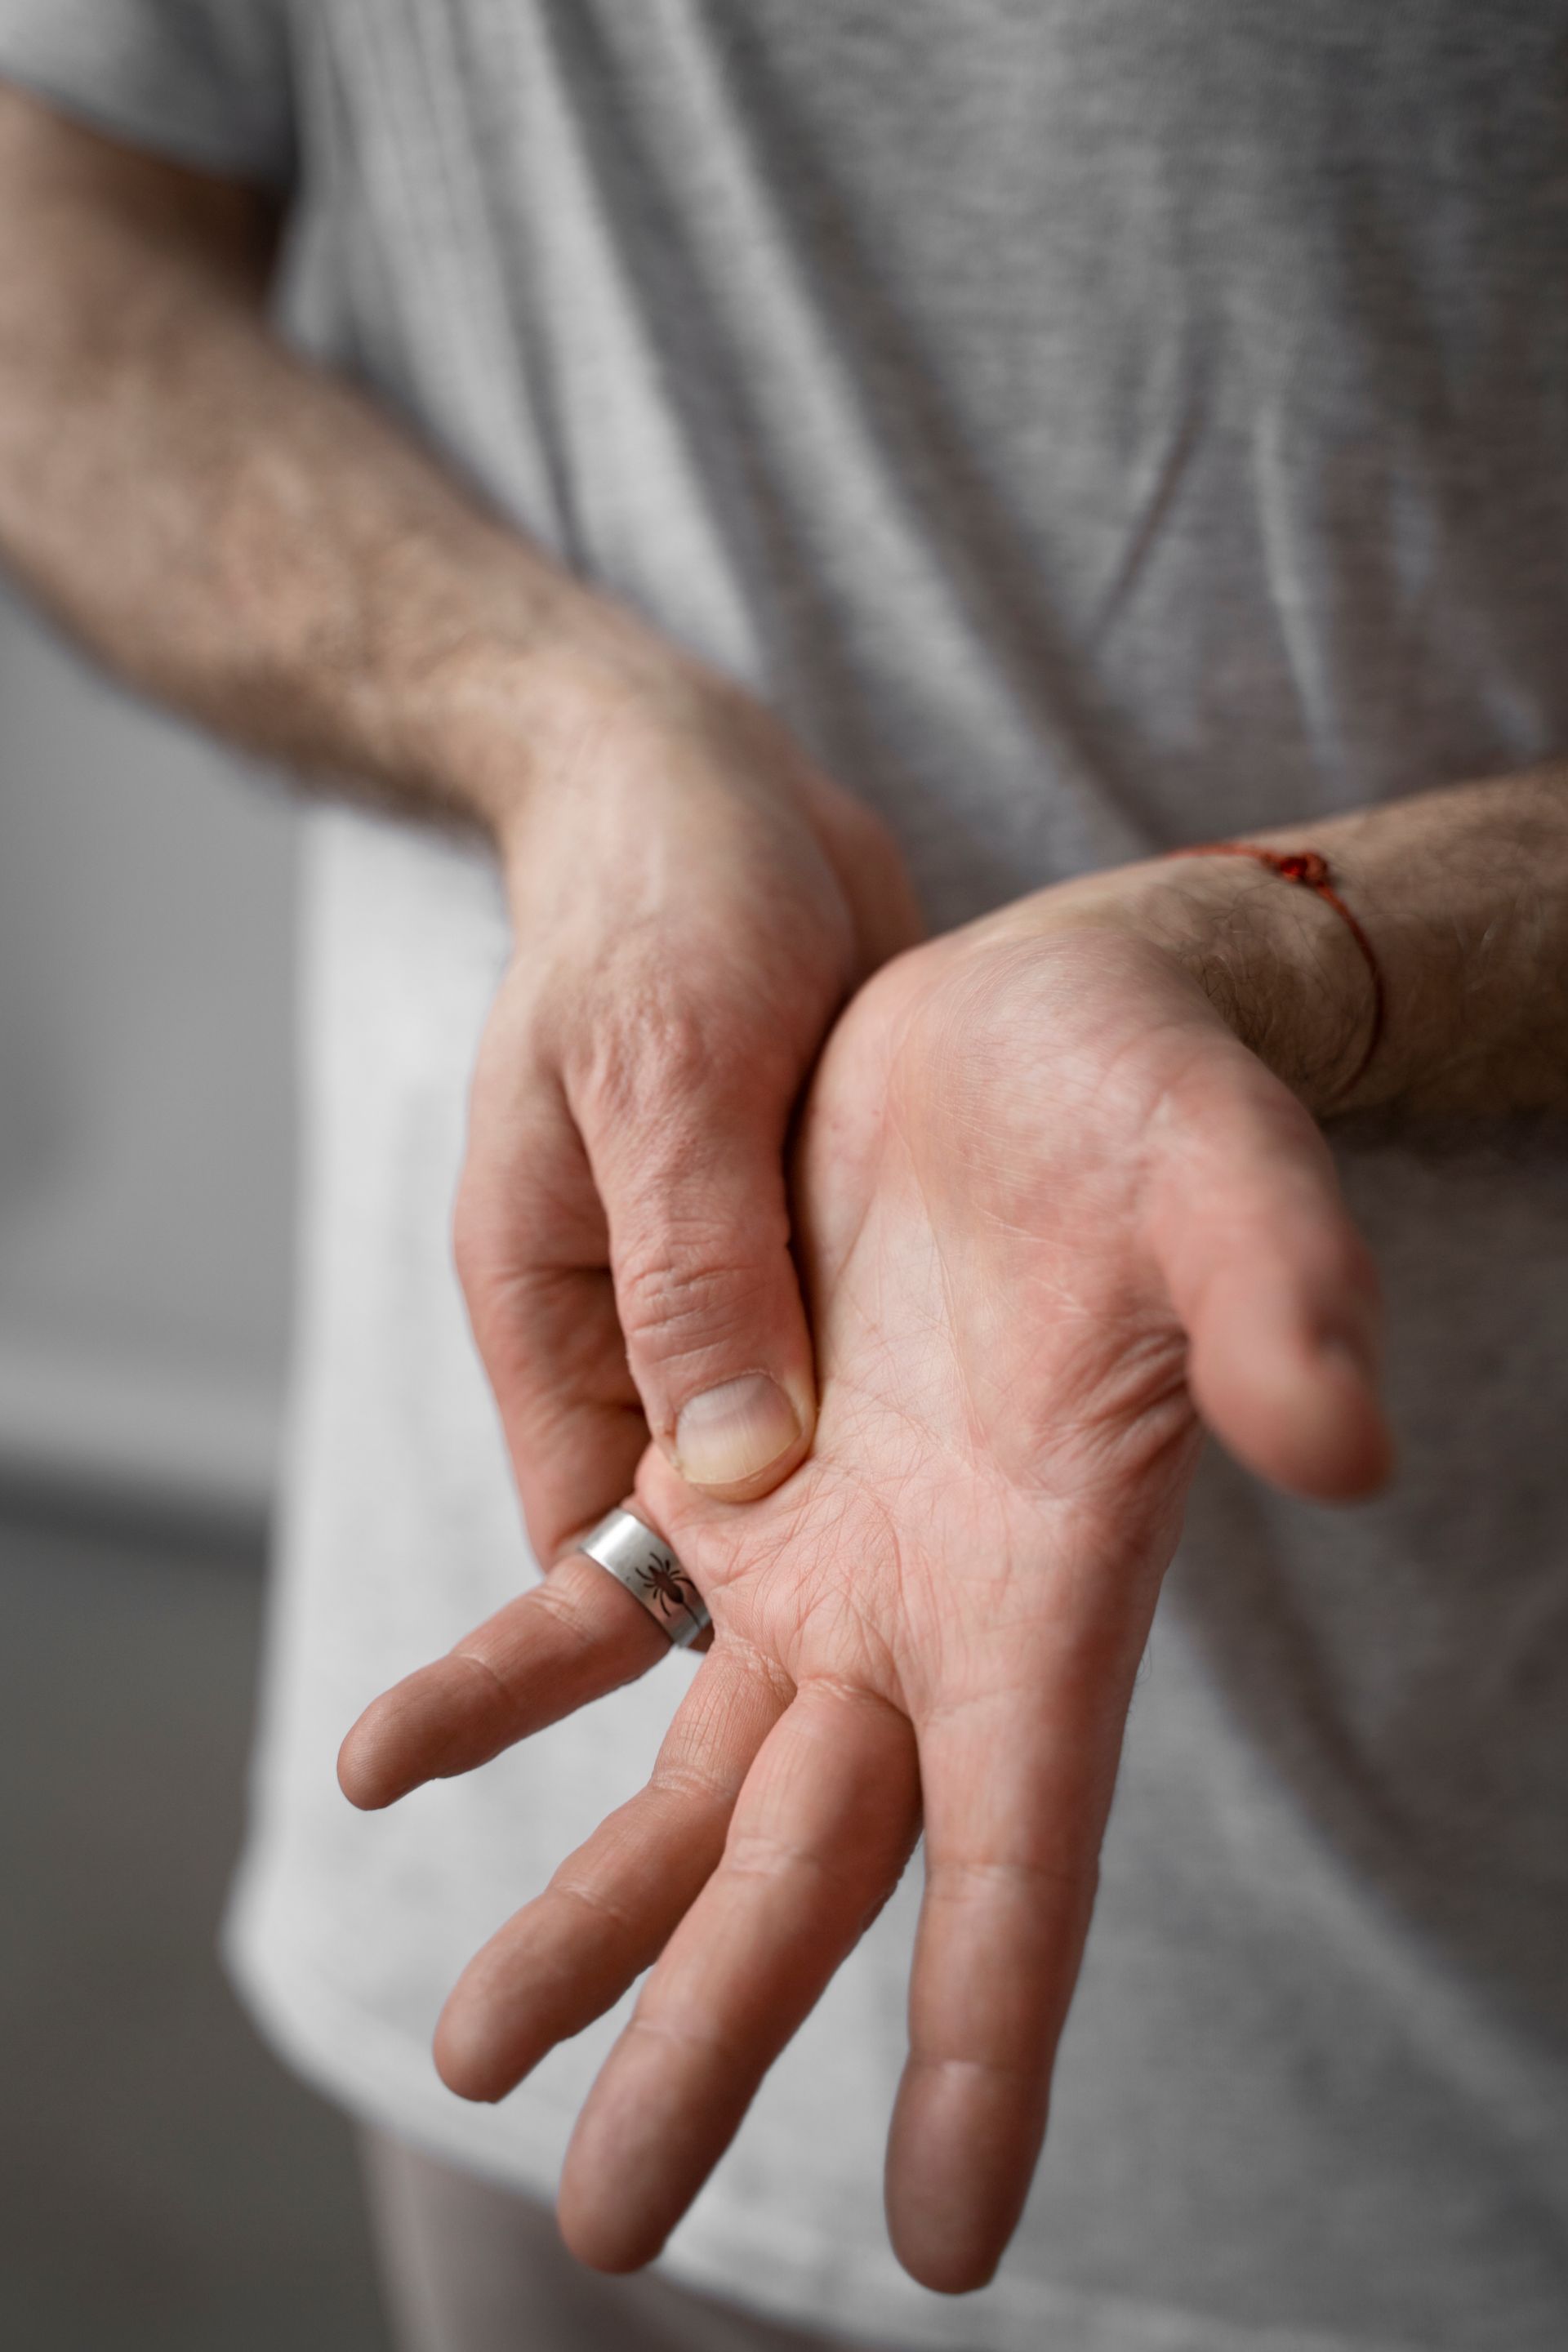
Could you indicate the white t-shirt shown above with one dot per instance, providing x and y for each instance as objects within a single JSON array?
[{"x": 1093, "y": 426}]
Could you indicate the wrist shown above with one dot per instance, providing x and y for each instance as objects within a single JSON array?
[
  {"x": 1286, "y": 965},
  {"x": 1280, "y": 967},
  {"x": 501, "y": 718}
]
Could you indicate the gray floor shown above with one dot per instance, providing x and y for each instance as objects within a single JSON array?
[{"x": 164, "y": 2187}]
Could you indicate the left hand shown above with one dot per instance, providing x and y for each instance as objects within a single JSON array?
[{"x": 1055, "y": 1216}]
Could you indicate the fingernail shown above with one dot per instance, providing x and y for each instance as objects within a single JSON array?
[{"x": 728, "y": 1434}]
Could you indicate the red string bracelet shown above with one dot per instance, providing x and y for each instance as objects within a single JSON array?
[{"x": 1309, "y": 871}]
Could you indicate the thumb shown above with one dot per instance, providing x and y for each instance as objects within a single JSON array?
[
  {"x": 706, "y": 1288},
  {"x": 1276, "y": 1287}
]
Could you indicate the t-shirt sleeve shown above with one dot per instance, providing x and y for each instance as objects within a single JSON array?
[{"x": 205, "y": 82}]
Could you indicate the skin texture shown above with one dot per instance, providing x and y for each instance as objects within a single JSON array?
[
  {"x": 1062, "y": 1202},
  {"x": 1025, "y": 1290},
  {"x": 1059, "y": 1200},
  {"x": 622, "y": 1231},
  {"x": 252, "y": 541}
]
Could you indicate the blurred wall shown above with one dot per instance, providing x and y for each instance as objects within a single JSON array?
[{"x": 146, "y": 911}]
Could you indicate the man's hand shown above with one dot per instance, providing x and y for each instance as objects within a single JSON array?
[
  {"x": 252, "y": 540},
  {"x": 692, "y": 903},
  {"x": 1054, "y": 1212},
  {"x": 1054, "y": 1203}
]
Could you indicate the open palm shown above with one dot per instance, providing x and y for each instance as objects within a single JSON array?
[{"x": 1052, "y": 1211}]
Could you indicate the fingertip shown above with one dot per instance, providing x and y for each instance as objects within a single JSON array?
[
  {"x": 1349, "y": 1455},
  {"x": 944, "y": 2249},
  {"x": 498, "y": 2019},
  {"x": 361, "y": 1769},
  {"x": 464, "y": 2049},
  {"x": 939, "y": 2262},
  {"x": 960, "y": 2157},
  {"x": 598, "y": 2246},
  {"x": 406, "y": 1736},
  {"x": 1301, "y": 1412},
  {"x": 605, "y": 2234}
]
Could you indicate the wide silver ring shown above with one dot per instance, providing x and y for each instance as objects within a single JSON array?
[{"x": 648, "y": 1569}]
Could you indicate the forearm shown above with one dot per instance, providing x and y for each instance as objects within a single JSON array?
[
  {"x": 240, "y": 534},
  {"x": 1463, "y": 896}
]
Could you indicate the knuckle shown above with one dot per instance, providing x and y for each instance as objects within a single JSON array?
[
  {"x": 970, "y": 2065},
  {"x": 647, "y": 1039},
  {"x": 574, "y": 1888},
  {"x": 966, "y": 1880},
  {"x": 650, "y": 1042},
  {"x": 690, "y": 1784},
  {"x": 673, "y": 1302},
  {"x": 563, "y": 1610},
  {"x": 757, "y": 1853},
  {"x": 684, "y": 2030}
]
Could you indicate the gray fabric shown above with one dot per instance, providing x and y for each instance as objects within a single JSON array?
[
  {"x": 467, "y": 2266},
  {"x": 1094, "y": 424},
  {"x": 206, "y": 82}
]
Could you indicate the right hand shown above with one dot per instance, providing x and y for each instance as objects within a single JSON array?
[{"x": 692, "y": 902}]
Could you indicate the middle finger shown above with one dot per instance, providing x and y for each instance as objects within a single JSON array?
[
  {"x": 824, "y": 1826},
  {"x": 568, "y": 1955}
]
